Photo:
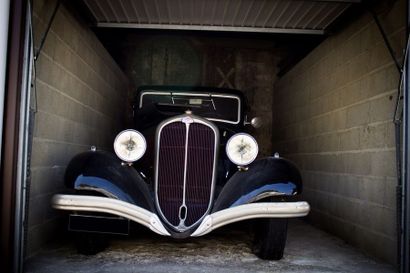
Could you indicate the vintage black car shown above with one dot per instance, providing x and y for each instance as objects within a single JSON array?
[{"x": 185, "y": 168}]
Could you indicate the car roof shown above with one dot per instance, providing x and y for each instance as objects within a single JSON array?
[{"x": 186, "y": 88}]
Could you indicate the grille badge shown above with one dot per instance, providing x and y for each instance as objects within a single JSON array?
[{"x": 187, "y": 120}]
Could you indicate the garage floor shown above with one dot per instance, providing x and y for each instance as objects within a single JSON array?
[{"x": 227, "y": 250}]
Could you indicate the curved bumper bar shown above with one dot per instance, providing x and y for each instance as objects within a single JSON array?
[
  {"x": 251, "y": 211},
  {"x": 151, "y": 220},
  {"x": 109, "y": 205}
]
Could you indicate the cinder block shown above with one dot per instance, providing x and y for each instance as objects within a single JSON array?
[
  {"x": 390, "y": 193},
  {"x": 63, "y": 56},
  {"x": 349, "y": 140},
  {"x": 50, "y": 44},
  {"x": 36, "y": 214},
  {"x": 358, "y": 163},
  {"x": 331, "y": 183},
  {"x": 348, "y": 186},
  {"x": 389, "y": 226},
  {"x": 369, "y": 36},
  {"x": 379, "y": 81},
  {"x": 328, "y": 142},
  {"x": 378, "y": 56},
  {"x": 322, "y": 201},
  {"x": 379, "y": 219},
  {"x": 373, "y": 136},
  {"x": 371, "y": 216},
  {"x": 316, "y": 107},
  {"x": 376, "y": 245},
  {"x": 352, "y": 28},
  {"x": 39, "y": 235},
  {"x": 382, "y": 109},
  {"x": 358, "y": 115},
  {"x": 50, "y": 126},
  {"x": 339, "y": 119},
  {"x": 352, "y": 93},
  {"x": 358, "y": 66},
  {"x": 46, "y": 180},
  {"x": 351, "y": 48},
  {"x": 383, "y": 163},
  {"x": 332, "y": 101},
  {"x": 316, "y": 89},
  {"x": 398, "y": 42},
  {"x": 349, "y": 209},
  {"x": 49, "y": 153},
  {"x": 373, "y": 189}
]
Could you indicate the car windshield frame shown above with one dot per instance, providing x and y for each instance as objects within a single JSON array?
[{"x": 197, "y": 94}]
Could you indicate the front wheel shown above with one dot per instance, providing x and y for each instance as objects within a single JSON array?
[
  {"x": 90, "y": 243},
  {"x": 270, "y": 238}
]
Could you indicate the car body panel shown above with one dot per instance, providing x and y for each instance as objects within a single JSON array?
[
  {"x": 102, "y": 173},
  {"x": 265, "y": 177}
]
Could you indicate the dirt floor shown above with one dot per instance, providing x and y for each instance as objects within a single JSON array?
[{"x": 227, "y": 250}]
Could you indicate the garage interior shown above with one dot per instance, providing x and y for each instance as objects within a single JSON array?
[{"x": 319, "y": 73}]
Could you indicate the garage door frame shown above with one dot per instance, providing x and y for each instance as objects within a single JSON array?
[{"x": 405, "y": 219}]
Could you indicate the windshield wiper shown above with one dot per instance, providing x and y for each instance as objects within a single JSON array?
[{"x": 212, "y": 100}]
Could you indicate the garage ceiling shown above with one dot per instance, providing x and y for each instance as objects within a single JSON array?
[{"x": 263, "y": 16}]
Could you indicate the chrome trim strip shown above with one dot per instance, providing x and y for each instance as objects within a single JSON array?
[
  {"x": 185, "y": 161},
  {"x": 195, "y": 119},
  {"x": 251, "y": 211},
  {"x": 151, "y": 93},
  {"x": 265, "y": 195},
  {"x": 183, "y": 205},
  {"x": 112, "y": 206},
  {"x": 199, "y": 94}
]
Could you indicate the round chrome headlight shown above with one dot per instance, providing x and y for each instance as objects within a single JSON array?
[
  {"x": 130, "y": 145},
  {"x": 242, "y": 149}
]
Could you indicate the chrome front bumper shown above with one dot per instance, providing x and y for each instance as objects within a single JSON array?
[
  {"x": 251, "y": 211},
  {"x": 152, "y": 221}
]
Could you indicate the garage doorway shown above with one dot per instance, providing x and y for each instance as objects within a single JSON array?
[{"x": 318, "y": 72}]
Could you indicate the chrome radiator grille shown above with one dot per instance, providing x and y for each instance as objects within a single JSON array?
[{"x": 185, "y": 170}]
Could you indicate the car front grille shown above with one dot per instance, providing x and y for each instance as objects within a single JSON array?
[{"x": 185, "y": 170}]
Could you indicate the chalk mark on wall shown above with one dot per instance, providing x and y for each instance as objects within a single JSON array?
[{"x": 225, "y": 77}]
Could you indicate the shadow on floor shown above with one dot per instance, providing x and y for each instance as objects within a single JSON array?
[{"x": 226, "y": 250}]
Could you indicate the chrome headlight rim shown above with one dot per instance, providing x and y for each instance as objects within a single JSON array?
[
  {"x": 141, "y": 137},
  {"x": 252, "y": 159}
]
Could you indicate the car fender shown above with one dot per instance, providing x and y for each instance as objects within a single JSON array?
[
  {"x": 271, "y": 176},
  {"x": 102, "y": 173}
]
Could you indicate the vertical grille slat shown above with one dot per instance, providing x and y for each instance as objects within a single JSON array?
[{"x": 200, "y": 156}]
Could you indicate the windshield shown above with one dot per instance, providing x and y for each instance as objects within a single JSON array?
[{"x": 212, "y": 106}]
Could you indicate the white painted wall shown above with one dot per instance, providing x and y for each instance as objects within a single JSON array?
[{"x": 4, "y": 27}]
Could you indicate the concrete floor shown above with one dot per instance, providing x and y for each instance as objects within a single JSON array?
[{"x": 227, "y": 250}]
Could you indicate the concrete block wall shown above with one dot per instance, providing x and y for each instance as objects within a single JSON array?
[
  {"x": 81, "y": 95},
  {"x": 333, "y": 116}
]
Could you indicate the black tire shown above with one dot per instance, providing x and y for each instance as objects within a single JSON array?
[
  {"x": 270, "y": 238},
  {"x": 90, "y": 243}
]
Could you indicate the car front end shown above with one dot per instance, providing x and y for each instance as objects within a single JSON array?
[{"x": 201, "y": 173}]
